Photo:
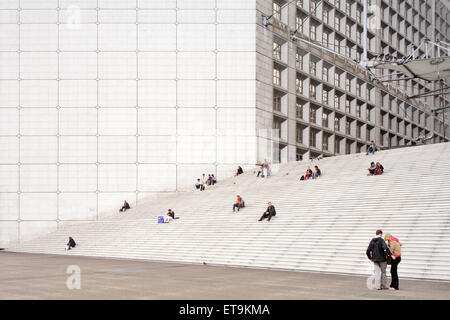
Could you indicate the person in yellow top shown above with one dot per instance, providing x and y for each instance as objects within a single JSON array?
[{"x": 395, "y": 246}]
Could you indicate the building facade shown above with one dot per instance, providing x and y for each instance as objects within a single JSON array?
[
  {"x": 107, "y": 100},
  {"x": 325, "y": 103}
]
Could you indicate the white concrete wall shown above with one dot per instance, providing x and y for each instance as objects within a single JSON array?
[{"x": 106, "y": 100}]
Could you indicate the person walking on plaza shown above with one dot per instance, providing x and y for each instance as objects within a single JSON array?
[
  {"x": 270, "y": 212},
  {"x": 395, "y": 246},
  {"x": 376, "y": 252}
]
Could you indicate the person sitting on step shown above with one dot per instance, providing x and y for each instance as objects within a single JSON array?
[
  {"x": 239, "y": 171},
  {"x": 316, "y": 172},
  {"x": 125, "y": 206},
  {"x": 371, "y": 169},
  {"x": 379, "y": 169},
  {"x": 71, "y": 244},
  {"x": 209, "y": 180},
  {"x": 308, "y": 173},
  {"x": 239, "y": 203},
  {"x": 197, "y": 184},
  {"x": 270, "y": 212},
  {"x": 213, "y": 180},
  {"x": 171, "y": 214},
  {"x": 371, "y": 148}
]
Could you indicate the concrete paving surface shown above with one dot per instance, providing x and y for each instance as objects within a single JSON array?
[{"x": 43, "y": 277}]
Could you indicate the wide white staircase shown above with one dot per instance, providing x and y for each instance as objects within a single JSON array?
[{"x": 322, "y": 225}]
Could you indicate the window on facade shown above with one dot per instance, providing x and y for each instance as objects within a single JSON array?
[
  {"x": 312, "y": 91},
  {"x": 358, "y": 36},
  {"x": 348, "y": 51},
  {"x": 312, "y": 33},
  {"x": 300, "y": 3},
  {"x": 325, "y": 96},
  {"x": 337, "y": 124},
  {"x": 337, "y": 145},
  {"x": 276, "y": 10},
  {"x": 358, "y": 111},
  {"x": 299, "y": 110},
  {"x": 312, "y": 115},
  {"x": 299, "y": 86},
  {"x": 277, "y": 51},
  {"x": 336, "y": 101},
  {"x": 325, "y": 73},
  {"x": 277, "y": 76},
  {"x": 312, "y": 67},
  {"x": 347, "y": 84},
  {"x": 325, "y": 16},
  {"x": 298, "y": 61},
  {"x": 337, "y": 45},
  {"x": 299, "y": 23},
  {"x": 299, "y": 135},
  {"x": 312, "y": 139},
  {"x": 348, "y": 127},
  {"x": 368, "y": 134},
  {"x": 348, "y": 30},
  {"x": 358, "y": 15},
  {"x": 348, "y": 8},
  {"x": 337, "y": 23},
  {"x": 325, "y": 119},
  {"x": 358, "y": 132},
  {"x": 325, "y": 39},
  {"x": 347, "y": 106},
  {"x": 337, "y": 79},
  {"x": 358, "y": 88},
  {"x": 348, "y": 147},
  {"x": 312, "y": 6},
  {"x": 276, "y": 102},
  {"x": 325, "y": 143}
]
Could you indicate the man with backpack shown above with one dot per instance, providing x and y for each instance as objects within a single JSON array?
[{"x": 377, "y": 252}]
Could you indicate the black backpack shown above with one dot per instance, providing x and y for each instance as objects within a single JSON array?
[{"x": 302, "y": 178}]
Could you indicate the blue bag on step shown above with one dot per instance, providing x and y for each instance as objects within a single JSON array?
[{"x": 160, "y": 219}]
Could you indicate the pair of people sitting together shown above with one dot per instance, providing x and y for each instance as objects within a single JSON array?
[
  {"x": 311, "y": 174},
  {"x": 375, "y": 169},
  {"x": 238, "y": 204}
]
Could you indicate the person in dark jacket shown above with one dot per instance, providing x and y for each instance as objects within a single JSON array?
[
  {"x": 71, "y": 244},
  {"x": 372, "y": 168},
  {"x": 239, "y": 171},
  {"x": 125, "y": 206},
  {"x": 270, "y": 212},
  {"x": 171, "y": 214},
  {"x": 376, "y": 252}
]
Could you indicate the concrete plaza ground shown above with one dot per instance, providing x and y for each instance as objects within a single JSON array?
[{"x": 36, "y": 276}]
